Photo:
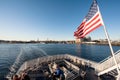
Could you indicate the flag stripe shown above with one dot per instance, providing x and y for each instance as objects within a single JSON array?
[
  {"x": 81, "y": 36},
  {"x": 96, "y": 16},
  {"x": 81, "y": 25},
  {"x": 92, "y": 28},
  {"x": 88, "y": 25},
  {"x": 93, "y": 20},
  {"x": 91, "y": 25}
]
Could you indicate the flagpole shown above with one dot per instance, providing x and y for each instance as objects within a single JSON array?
[
  {"x": 111, "y": 49},
  {"x": 94, "y": 20},
  {"x": 108, "y": 39}
]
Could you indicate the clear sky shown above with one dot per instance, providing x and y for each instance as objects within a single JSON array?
[{"x": 54, "y": 19}]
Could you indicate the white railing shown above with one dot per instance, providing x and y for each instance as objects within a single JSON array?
[
  {"x": 82, "y": 61},
  {"x": 108, "y": 57},
  {"x": 107, "y": 64},
  {"x": 67, "y": 73},
  {"x": 73, "y": 66},
  {"x": 36, "y": 62}
]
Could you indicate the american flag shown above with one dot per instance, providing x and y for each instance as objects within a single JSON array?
[{"x": 91, "y": 21}]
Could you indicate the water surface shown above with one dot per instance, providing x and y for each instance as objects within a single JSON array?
[{"x": 9, "y": 53}]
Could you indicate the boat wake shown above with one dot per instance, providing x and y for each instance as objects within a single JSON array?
[{"x": 26, "y": 53}]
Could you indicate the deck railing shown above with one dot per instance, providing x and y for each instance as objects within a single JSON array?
[
  {"x": 108, "y": 64},
  {"x": 36, "y": 62}
]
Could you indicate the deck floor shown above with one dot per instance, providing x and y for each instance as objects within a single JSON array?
[{"x": 85, "y": 72}]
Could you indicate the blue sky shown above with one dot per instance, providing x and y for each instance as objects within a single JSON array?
[{"x": 54, "y": 19}]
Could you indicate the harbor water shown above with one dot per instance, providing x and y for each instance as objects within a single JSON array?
[{"x": 16, "y": 54}]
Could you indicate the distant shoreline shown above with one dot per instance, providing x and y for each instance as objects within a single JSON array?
[
  {"x": 100, "y": 43},
  {"x": 41, "y": 42},
  {"x": 59, "y": 42}
]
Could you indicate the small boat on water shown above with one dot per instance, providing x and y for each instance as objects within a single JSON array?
[{"x": 74, "y": 68}]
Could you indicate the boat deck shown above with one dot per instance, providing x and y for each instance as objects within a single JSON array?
[
  {"x": 44, "y": 71},
  {"x": 74, "y": 68}
]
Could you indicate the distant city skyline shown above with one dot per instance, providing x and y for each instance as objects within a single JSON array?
[{"x": 54, "y": 19}]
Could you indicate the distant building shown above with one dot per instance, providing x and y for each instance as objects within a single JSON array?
[{"x": 78, "y": 41}]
